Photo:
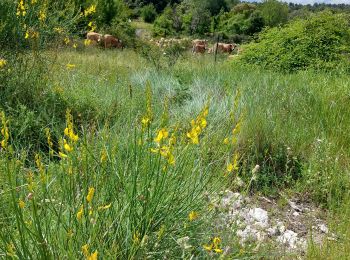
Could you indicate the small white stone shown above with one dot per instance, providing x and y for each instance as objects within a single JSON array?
[
  {"x": 259, "y": 216},
  {"x": 272, "y": 231},
  {"x": 295, "y": 214},
  {"x": 280, "y": 226},
  {"x": 288, "y": 238},
  {"x": 250, "y": 234},
  {"x": 323, "y": 228},
  {"x": 232, "y": 200}
]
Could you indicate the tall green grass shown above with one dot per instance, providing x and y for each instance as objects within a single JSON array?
[{"x": 294, "y": 126}]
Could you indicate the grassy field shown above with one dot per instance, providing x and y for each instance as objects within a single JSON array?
[{"x": 107, "y": 155}]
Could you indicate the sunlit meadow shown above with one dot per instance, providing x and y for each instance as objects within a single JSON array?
[{"x": 108, "y": 154}]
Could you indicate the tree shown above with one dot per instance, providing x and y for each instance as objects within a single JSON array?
[
  {"x": 107, "y": 10},
  {"x": 149, "y": 13},
  {"x": 163, "y": 25},
  {"x": 274, "y": 12}
]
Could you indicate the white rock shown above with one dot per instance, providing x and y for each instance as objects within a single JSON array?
[
  {"x": 231, "y": 200},
  {"x": 280, "y": 226},
  {"x": 295, "y": 214},
  {"x": 259, "y": 216},
  {"x": 323, "y": 228},
  {"x": 250, "y": 234},
  {"x": 289, "y": 239},
  {"x": 272, "y": 231}
]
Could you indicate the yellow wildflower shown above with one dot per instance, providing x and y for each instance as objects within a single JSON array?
[
  {"x": 90, "y": 10},
  {"x": 203, "y": 123},
  {"x": 103, "y": 156},
  {"x": 87, "y": 42},
  {"x": 105, "y": 207},
  {"x": 234, "y": 165},
  {"x": 49, "y": 141},
  {"x": 193, "y": 215},
  {"x": 235, "y": 161},
  {"x": 145, "y": 121},
  {"x": 21, "y": 204},
  {"x": 66, "y": 40},
  {"x": 69, "y": 130},
  {"x": 66, "y": 146},
  {"x": 136, "y": 237},
  {"x": 91, "y": 26},
  {"x": 218, "y": 250},
  {"x": 208, "y": 247},
  {"x": 58, "y": 30},
  {"x": 193, "y": 135},
  {"x": 62, "y": 155},
  {"x": 214, "y": 246},
  {"x": 42, "y": 15},
  {"x": 85, "y": 250},
  {"x": 26, "y": 35},
  {"x": 229, "y": 167},
  {"x": 4, "y": 131},
  {"x": 172, "y": 140},
  {"x": 226, "y": 141},
  {"x": 148, "y": 116},
  {"x": 75, "y": 45},
  {"x": 216, "y": 241},
  {"x": 70, "y": 66},
  {"x": 2, "y": 63},
  {"x": 21, "y": 10},
  {"x": 11, "y": 251},
  {"x": 34, "y": 2},
  {"x": 162, "y": 134},
  {"x": 93, "y": 256},
  {"x": 164, "y": 151},
  {"x": 90, "y": 195},
  {"x": 236, "y": 129},
  {"x": 171, "y": 159},
  {"x": 198, "y": 125},
  {"x": 80, "y": 213}
]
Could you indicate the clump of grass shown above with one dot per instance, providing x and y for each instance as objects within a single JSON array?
[{"x": 109, "y": 193}]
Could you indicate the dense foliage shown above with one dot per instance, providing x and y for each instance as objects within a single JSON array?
[{"x": 320, "y": 42}]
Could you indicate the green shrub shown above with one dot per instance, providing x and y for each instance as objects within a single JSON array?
[
  {"x": 163, "y": 25},
  {"x": 321, "y": 42},
  {"x": 243, "y": 19},
  {"x": 34, "y": 24},
  {"x": 124, "y": 31},
  {"x": 149, "y": 13}
]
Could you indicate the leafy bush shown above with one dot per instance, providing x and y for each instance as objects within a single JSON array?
[
  {"x": 274, "y": 12},
  {"x": 243, "y": 19},
  {"x": 321, "y": 42},
  {"x": 34, "y": 24},
  {"x": 124, "y": 31},
  {"x": 108, "y": 10},
  {"x": 149, "y": 13},
  {"x": 163, "y": 25}
]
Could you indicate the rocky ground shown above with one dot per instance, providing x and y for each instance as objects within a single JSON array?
[{"x": 287, "y": 226}]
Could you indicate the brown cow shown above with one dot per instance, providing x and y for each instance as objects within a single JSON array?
[
  {"x": 228, "y": 47},
  {"x": 198, "y": 48},
  {"x": 94, "y": 37},
  {"x": 223, "y": 47},
  {"x": 110, "y": 41}
]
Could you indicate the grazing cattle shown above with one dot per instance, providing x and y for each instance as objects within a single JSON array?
[
  {"x": 110, "y": 41},
  {"x": 94, "y": 37},
  {"x": 223, "y": 47},
  {"x": 198, "y": 48},
  {"x": 228, "y": 47}
]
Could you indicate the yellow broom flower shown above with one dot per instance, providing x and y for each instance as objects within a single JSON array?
[{"x": 90, "y": 195}]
